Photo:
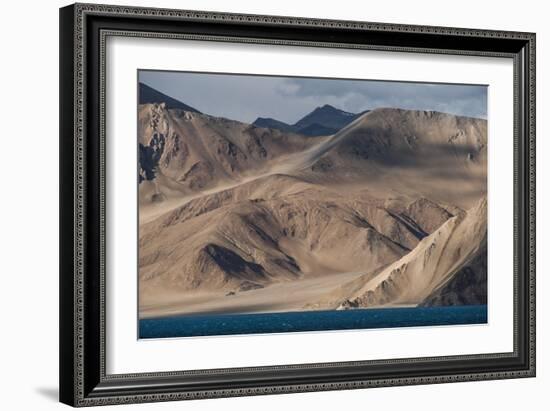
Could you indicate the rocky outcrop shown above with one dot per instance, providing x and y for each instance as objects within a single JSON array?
[
  {"x": 183, "y": 152},
  {"x": 468, "y": 286}
]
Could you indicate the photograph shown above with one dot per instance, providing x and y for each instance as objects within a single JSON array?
[
  {"x": 260, "y": 200},
  {"x": 277, "y": 204}
]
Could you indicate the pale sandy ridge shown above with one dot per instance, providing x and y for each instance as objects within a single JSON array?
[{"x": 431, "y": 265}]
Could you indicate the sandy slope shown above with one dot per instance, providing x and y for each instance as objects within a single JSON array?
[
  {"x": 434, "y": 262},
  {"x": 282, "y": 296}
]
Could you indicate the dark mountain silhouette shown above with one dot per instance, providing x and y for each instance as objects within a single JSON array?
[
  {"x": 326, "y": 116},
  {"x": 272, "y": 123},
  {"x": 322, "y": 121},
  {"x": 148, "y": 95},
  {"x": 316, "y": 130}
]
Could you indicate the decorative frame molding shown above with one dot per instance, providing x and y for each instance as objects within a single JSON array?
[{"x": 83, "y": 32}]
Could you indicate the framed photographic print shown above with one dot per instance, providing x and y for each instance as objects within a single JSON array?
[{"x": 260, "y": 204}]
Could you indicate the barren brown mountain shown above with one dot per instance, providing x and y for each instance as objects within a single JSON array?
[{"x": 390, "y": 210}]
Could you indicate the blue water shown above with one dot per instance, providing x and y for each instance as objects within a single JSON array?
[{"x": 227, "y": 324}]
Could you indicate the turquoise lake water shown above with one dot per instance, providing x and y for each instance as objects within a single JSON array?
[{"x": 228, "y": 324}]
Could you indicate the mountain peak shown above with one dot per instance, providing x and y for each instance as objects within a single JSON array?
[
  {"x": 322, "y": 121},
  {"x": 327, "y": 108},
  {"x": 327, "y": 119},
  {"x": 148, "y": 95},
  {"x": 267, "y": 122}
]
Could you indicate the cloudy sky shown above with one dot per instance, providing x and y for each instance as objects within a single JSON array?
[{"x": 246, "y": 97}]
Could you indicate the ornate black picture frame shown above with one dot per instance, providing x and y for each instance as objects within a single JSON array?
[{"x": 83, "y": 31}]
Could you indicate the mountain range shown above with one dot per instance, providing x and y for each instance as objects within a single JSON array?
[
  {"x": 388, "y": 209},
  {"x": 322, "y": 121}
]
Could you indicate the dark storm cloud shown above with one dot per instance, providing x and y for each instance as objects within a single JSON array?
[{"x": 245, "y": 98}]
